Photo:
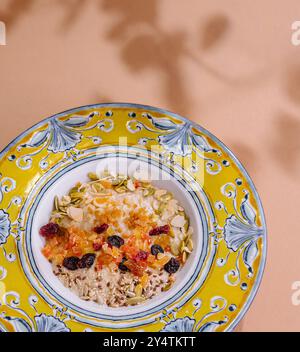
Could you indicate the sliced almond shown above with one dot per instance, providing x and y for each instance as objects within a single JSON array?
[
  {"x": 75, "y": 213},
  {"x": 178, "y": 221},
  {"x": 130, "y": 185}
]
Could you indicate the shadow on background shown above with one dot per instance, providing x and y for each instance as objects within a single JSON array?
[
  {"x": 14, "y": 10},
  {"x": 143, "y": 45},
  {"x": 285, "y": 147}
]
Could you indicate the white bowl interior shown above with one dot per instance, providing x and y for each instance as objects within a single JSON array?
[{"x": 126, "y": 166}]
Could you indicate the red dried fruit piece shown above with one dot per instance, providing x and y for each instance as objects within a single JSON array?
[
  {"x": 159, "y": 230},
  {"x": 50, "y": 230},
  {"x": 100, "y": 229},
  {"x": 97, "y": 246},
  {"x": 141, "y": 256}
]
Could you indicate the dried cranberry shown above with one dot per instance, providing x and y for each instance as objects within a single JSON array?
[
  {"x": 156, "y": 248},
  {"x": 49, "y": 230},
  {"x": 115, "y": 241},
  {"x": 100, "y": 229},
  {"x": 159, "y": 230},
  {"x": 71, "y": 263},
  {"x": 141, "y": 255},
  {"x": 172, "y": 266},
  {"x": 97, "y": 246},
  {"x": 87, "y": 260}
]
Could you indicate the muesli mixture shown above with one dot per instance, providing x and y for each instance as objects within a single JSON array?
[{"x": 116, "y": 240}]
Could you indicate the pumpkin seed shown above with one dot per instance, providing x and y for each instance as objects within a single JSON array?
[
  {"x": 190, "y": 244},
  {"x": 181, "y": 246},
  {"x": 135, "y": 300},
  {"x": 186, "y": 224},
  {"x": 167, "y": 287},
  {"x": 121, "y": 189},
  {"x": 148, "y": 192},
  {"x": 72, "y": 190},
  {"x": 145, "y": 184},
  {"x": 93, "y": 176},
  {"x": 171, "y": 233},
  {"x": 138, "y": 290},
  {"x": 117, "y": 182},
  {"x": 56, "y": 203},
  {"x": 174, "y": 249},
  {"x": 166, "y": 197}
]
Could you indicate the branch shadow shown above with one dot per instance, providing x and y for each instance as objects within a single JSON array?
[
  {"x": 285, "y": 146},
  {"x": 14, "y": 10}
]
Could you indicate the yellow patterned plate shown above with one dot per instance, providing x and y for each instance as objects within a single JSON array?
[{"x": 221, "y": 276}]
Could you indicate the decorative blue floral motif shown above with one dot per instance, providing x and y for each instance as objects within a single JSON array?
[
  {"x": 48, "y": 323},
  {"x": 239, "y": 230},
  {"x": 180, "y": 138},
  {"x": 5, "y": 226},
  {"x": 43, "y": 323},
  {"x": 185, "y": 324},
  {"x": 59, "y": 135}
]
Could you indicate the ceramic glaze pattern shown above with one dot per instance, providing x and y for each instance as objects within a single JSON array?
[{"x": 236, "y": 226}]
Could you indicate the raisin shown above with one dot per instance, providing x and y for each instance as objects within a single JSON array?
[
  {"x": 156, "y": 248},
  {"x": 172, "y": 266},
  {"x": 141, "y": 255},
  {"x": 87, "y": 261},
  {"x": 50, "y": 230},
  {"x": 71, "y": 263},
  {"x": 159, "y": 230},
  {"x": 100, "y": 229},
  {"x": 122, "y": 266},
  {"x": 115, "y": 241}
]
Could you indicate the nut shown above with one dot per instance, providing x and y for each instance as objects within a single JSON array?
[
  {"x": 178, "y": 221},
  {"x": 75, "y": 213}
]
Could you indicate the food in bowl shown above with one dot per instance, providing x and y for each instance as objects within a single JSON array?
[{"x": 117, "y": 240}]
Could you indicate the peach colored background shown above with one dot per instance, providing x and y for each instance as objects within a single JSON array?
[{"x": 228, "y": 65}]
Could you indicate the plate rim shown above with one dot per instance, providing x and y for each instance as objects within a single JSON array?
[{"x": 262, "y": 264}]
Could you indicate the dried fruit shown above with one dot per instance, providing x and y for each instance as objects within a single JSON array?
[
  {"x": 137, "y": 268},
  {"x": 115, "y": 241},
  {"x": 141, "y": 256},
  {"x": 71, "y": 263},
  {"x": 97, "y": 246},
  {"x": 50, "y": 230},
  {"x": 122, "y": 266},
  {"x": 159, "y": 230},
  {"x": 156, "y": 248},
  {"x": 87, "y": 261},
  {"x": 100, "y": 229},
  {"x": 172, "y": 266}
]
